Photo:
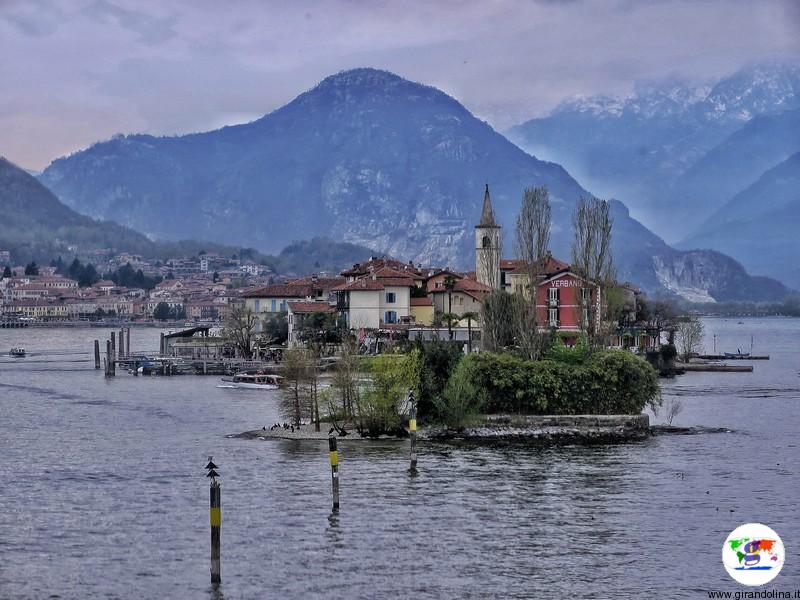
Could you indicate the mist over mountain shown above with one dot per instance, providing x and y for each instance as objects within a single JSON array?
[
  {"x": 760, "y": 226},
  {"x": 672, "y": 152},
  {"x": 365, "y": 157}
]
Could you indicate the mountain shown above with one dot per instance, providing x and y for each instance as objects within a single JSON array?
[
  {"x": 364, "y": 157},
  {"x": 646, "y": 149},
  {"x": 736, "y": 163},
  {"x": 36, "y": 224},
  {"x": 759, "y": 226}
]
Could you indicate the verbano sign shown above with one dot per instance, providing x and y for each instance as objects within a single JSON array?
[{"x": 566, "y": 283}]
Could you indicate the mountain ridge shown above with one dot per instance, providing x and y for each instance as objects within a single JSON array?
[{"x": 365, "y": 156}]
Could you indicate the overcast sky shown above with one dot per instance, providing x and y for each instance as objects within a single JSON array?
[{"x": 76, "y": 71}]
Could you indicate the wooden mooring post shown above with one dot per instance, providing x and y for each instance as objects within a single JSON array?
[
  {"x": 121, "y": 343},
  {"x": 215, "y": 515},
  {"x": 334, "y": 456},
  {"x": 109, "y": 359},
  {"x": 128, "y": 342},
  {"x": 113, "y": 345},
  {"x": 96, "y": 354}
]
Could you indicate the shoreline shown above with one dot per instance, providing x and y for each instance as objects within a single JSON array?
[{"x": 495, "y": 428}]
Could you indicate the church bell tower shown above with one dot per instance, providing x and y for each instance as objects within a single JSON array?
[{"x": 487, "y": 246}]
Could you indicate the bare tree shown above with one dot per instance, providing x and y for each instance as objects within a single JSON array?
[
  {"x": 532, "y": 242},
  {"x": 295, "y": 368},
  {"x": 674, "y": 408},
  {"x": 497, "y": 317},
  {"x": 689, "y": 331},
  {"x": 239, "y": 329},
  {"x": 592, "y": 259}
]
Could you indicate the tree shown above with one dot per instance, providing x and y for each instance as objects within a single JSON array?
[
  {"x": 32, "y": 268},
  {"x": 449, "y": 284},
  {"x": 592, "y": 259},
  {"x": 6, "y": 272},
  {"x": 276, "y": 328},
  {"x": 460, "y": 402},
  {"x": 239, "y": 329},
  {"x": 470, "y": 317},
  {"x": 449, "y": 318},
  {"x": 295, "y": 366},
  {"x": 689, "y": 330},
  {"x": 532, "y": 241},
  {"x": 498, "y": 318},
  {"x": 162, "y": 312}
]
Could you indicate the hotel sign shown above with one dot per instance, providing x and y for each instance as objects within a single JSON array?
[{"x": 566, "y": 283}]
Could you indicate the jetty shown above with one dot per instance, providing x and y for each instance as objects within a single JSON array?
[
  {"x": 734, "y": 356},
  {"x": 713, "y": 368}
]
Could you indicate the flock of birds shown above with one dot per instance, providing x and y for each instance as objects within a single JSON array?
[{"x": 339, "y": 430}]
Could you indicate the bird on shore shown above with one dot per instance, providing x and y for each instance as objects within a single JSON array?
[
  {"x": 264, "y": 428},
  {"x": 292, "y": 428},
  {"x": 331, "y": 430},
  {"x": 342, "y": 432}
]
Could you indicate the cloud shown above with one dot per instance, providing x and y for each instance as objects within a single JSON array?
[{"x": 188, "y": 65}]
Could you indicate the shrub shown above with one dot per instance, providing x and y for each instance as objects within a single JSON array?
[
  {"x": 460, "y": 402},
  {"x": 668, "y": 352},
  {"x": 438, "y": 359},
  {"x": 381, "y": 406},
  {"x": 610, "y": 382},
  {"x": 576, "y": 355}
]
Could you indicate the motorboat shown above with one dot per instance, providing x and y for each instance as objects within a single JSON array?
[
  {"x": 17, "y": 352},
  {"x": 251, "y": 381}
]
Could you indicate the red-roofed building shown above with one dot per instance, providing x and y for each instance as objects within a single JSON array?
[{"x": 297, "y": 312}]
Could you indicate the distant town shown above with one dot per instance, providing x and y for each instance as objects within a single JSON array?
[{"x": 381, "y": 294}]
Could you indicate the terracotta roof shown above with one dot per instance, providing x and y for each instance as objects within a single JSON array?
[
  {"x": 311, "y": 307},
  {"x": 279, "y": 290},
  {"x": 378, "y": 283},
  {"x": 323, "y": 283},
  {"x": 376, "y": 263},
  {"x": 421, "y": 302}
]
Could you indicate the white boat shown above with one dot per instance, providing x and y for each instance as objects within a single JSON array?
[
  {"x": 17, "y": 352},
  {"x": 251, "y": 381}
]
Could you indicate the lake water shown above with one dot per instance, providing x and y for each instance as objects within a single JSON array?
[{"x": 105, "y": 495}]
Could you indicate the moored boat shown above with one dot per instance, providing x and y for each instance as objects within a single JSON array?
[
  {"x": 17, "y": 352},
  {"x": 251, "y": 381}
]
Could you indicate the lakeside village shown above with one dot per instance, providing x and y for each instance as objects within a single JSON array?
[{"x": 459, "y": 349}]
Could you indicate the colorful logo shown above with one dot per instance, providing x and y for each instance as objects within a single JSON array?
[{"x": 753, "y": 554}]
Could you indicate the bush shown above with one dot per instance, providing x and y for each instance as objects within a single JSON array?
[
  {"x": 381, "y": 406},
  {"x": 438, "y": 359},
  {"x": 460, "y": 402},
  {"x": 610, "y": 382},
  {"x": 668, "y": 352},
  {"x": 576, "y": 355}
]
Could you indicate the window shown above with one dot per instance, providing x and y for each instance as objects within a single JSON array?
[
  {"x": 390, "y": 316},
  {"x": 258, "y": 305},
  {"x": 553, "y": 317},
  {"x": 390, "y": 297},
  {"x": 585, "y": 317},
  {"x": 487, "y": 242},
  {"x": 586, "y": 294},
  {"x": 283, "y": 305},
  {"x": 273, "y": 306},
  {"x": 552, "y": 295}
]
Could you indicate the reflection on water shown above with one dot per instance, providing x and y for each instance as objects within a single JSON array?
[{"x": 105, "y": 494}]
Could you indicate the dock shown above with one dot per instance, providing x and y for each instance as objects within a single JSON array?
[
  {"x": 735, "y": 357},
  {"x": 713, "y": 368}
]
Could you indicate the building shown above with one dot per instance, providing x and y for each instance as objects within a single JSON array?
[
  {"x": 298, "y": 312},
  {"x": 465, "y": 296},
  {"x": 373, "y": 301},
  {"x": 487, "y": 246}
]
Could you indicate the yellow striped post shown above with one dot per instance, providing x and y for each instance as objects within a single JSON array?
[
  {"x": 412, "y": 432},
  {"x": 215, "y": 517},
  {"x": 334, "y": 456}
]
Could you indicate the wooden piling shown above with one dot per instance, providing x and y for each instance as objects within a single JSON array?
[
  {"x": 113, "y": 345},
  {"x": 109, "y": 359},
  {"x": 128, "y": 342},
  {"x": 334, "y": 456},
  {"x": 161, "y": 345},
  {"x": 122, "y": 343},
  {"x": 96, "y": 354}
]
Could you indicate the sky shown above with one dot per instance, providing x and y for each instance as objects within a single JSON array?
[{"x": 74, "y": 72}]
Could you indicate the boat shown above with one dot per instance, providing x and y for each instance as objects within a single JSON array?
[
  {"x": 251, "y": 381},
  {"x": 737, "y": 354},
  {"x": 17, "y": 352}
]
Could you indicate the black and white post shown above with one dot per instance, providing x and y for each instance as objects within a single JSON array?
[
  {"x": 334, "y": 456},
  {"x": 215, "y": 514},
  {"x": 412, "y": 431}
]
